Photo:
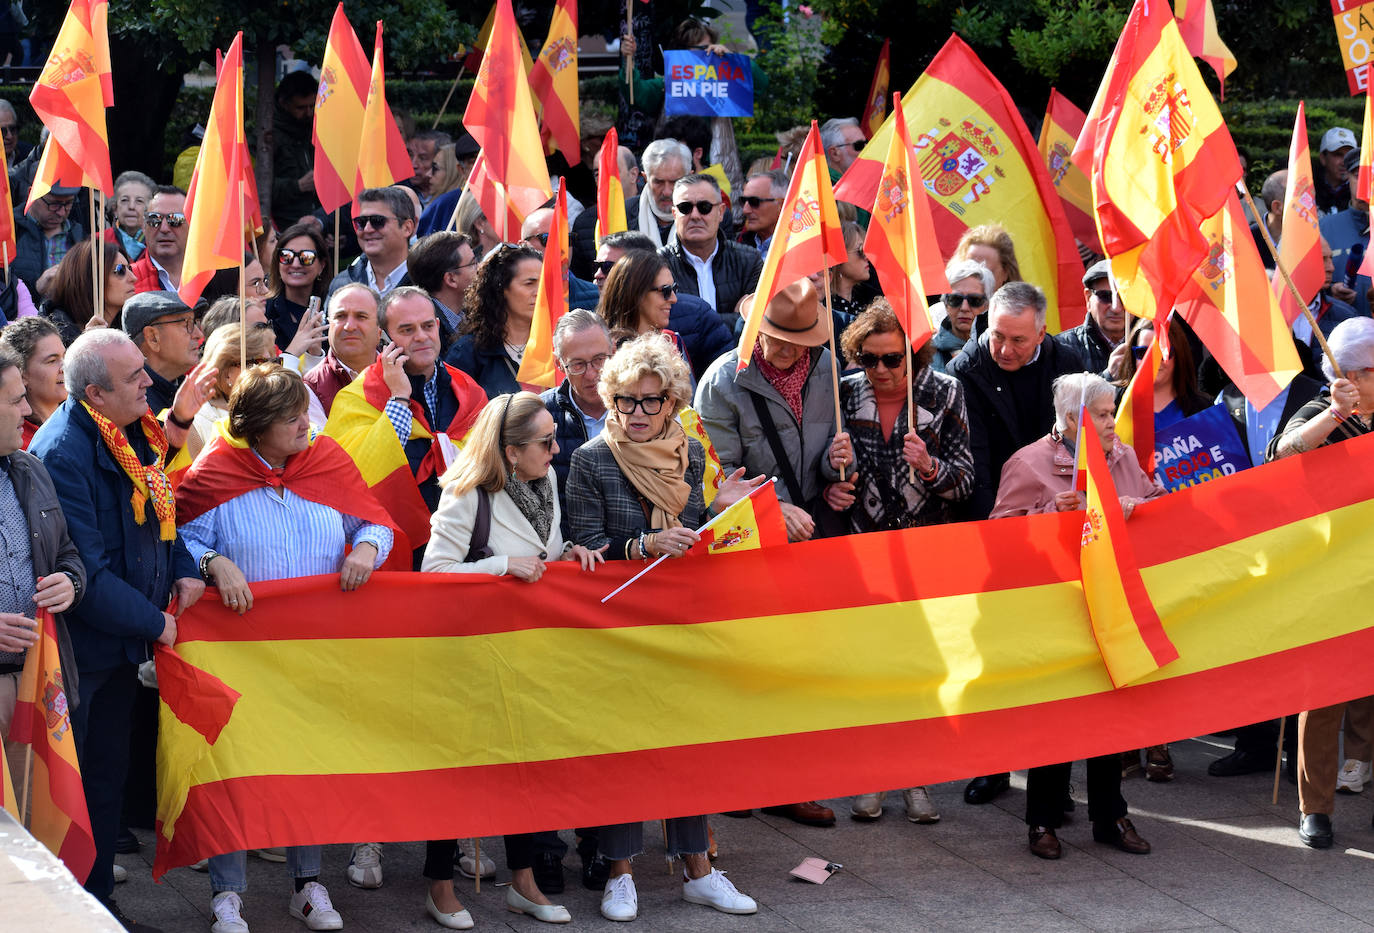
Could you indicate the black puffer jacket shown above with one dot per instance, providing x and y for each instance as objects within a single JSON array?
[{"x": 735, "y": 270}]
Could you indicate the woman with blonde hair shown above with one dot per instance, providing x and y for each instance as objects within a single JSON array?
[{"x": 222, "y": 352}]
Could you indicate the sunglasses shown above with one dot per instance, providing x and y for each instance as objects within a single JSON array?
[
  {"x": 955, "y": 299},
  {"x": 751, "y": 201},
  {"x": 604, "y": 266},
  {"x": 667, "y": 291},
  {"x": 546, "y": 442},
  {"x": 857, "y": 145},
  {"x": 119, "y": 270},
  {"x": 702, "y": 207},
  {"x": 650, "y": 405},
  {"x": 1104, "y": 295},
  {"x": 375, "y": 221},
  {"x": 892, "y": 361},
  {"x": 1140, "y": 351},
  {"x": 541, "y": 238},
  {"x": 307, "y": 257},
  {"x": 154, "y": 220},
  {"x": 578, "y": 367}
]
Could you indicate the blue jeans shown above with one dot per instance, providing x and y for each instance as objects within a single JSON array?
[
  {"x": 229, "y": 872},
  {"x": 687, "y": 835}
]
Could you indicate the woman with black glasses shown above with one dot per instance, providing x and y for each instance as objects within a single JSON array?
[
  {"x": 299, "y": 271},
  {"x": 497, "y": 314},
  {"x": 970, "y": 285},
  {"x": 638, "y": 297}
]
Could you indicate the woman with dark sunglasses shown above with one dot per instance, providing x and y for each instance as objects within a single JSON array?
[
  {"x": 970, "y": 286},
  {"x": 299, "y": 271},
  {"x": 69, "y": 304},
  {"x": 497, "y": 314},
  {"x": 846, "y": 275},
  {"x": 638, "y": 297}
]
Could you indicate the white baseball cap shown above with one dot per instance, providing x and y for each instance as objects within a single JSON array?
[{"x": 1338, "y": 137}]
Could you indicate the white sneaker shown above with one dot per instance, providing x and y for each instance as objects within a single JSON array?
[
  {"x": 467, "y": 860},
  {"x": 312, "y": 905},
  {"x": 227, "y": 908},
  {"x": 275, "y": 854},
  {"x": 365, "y": 865},
  {"x": 715, "y": 890},
  {"x": 621, "y": 900},
  {"x": 867, "y": 807},
  {"x": 919, "y": 808},
  {"x": 121, "y": 874},
  {"x": 203, "y": 865},
  {"x": 1353, "y": 775}
]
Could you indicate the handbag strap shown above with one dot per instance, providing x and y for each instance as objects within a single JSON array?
[
  {"x": 770, "y": 431},
  {"x": 478, "y": 548}
]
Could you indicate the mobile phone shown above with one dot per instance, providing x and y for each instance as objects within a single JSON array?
[{"x": 314, "y": 310}]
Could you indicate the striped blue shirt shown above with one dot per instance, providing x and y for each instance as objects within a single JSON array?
[
  {"x": 275, "y": 538},
  {"x": 398, "y": 412}
]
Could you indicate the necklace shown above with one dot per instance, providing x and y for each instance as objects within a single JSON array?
[{"x": 515, "y": 351}]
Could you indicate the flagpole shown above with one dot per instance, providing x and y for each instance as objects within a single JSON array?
[
  {"x": 5, "y": 255},
  {"x": 477, "y": 857},
  {"x": 835, "y": 360},
  {"x": 630, "y": 64},
  {"x": 439, "y": 116},
  {"x": 243, "y": 292},
  {"x": 95, "y": 249},
  {"x": 910, "y": 402},
  {"x": 99, "y": 254},
  {"x": 336, "y": 238},
  {"x": 1278, "y": 264},
  {"x": 1082, "y": 395}
]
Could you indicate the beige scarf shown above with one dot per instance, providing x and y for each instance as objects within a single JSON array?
[{"x": 655, "y": 468}]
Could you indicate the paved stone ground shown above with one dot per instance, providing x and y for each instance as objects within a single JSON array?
[{"x": 1224, "y": 858}]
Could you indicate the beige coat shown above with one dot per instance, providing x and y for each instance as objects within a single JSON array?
[{"x": 511, "y": 534}]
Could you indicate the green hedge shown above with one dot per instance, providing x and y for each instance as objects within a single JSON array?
[{"x": 1263, "y": 129}]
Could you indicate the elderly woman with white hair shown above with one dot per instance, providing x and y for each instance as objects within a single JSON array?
[
  {"x": 1338, "y": 414},
  {"x": 970, "y": 285}
]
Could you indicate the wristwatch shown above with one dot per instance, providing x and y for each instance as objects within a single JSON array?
[{"x": 205, "y": 565}]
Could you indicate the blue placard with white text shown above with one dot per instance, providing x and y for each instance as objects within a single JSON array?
[
  {"x": 1198, "y": 449},
  {"x": 706, "y": 85}
]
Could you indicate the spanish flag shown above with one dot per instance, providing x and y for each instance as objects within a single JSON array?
[
  {"x": 901, "y": 240},
  {"x": 339, "y": 113},
  {"x": 70, "y": 98},
  {"x": 539, "y": 366},
  {"x": 1364, "y": 182},
  {"x": 711, "y": 478},
  {"x": 216, "y": 202},
  {"x": 1197, "y": 23},
  {"x": 751, "y": 523},
  {"x": 8, "y": 242},
  {"x": 610, "y": 196},
  {"x": 382, "y": 157},
  {"x": 1124, "y": 621},
  {"x": 9, "y": 801},
  {"x": 1300, "y": 248},
  {"x": 41, "y": 719},
  {"x": 553, "y": 83},
  {"x": 1059, "y": 132},
  {"x": 875, "y": 108},
  {"x": 500, "y": 116},
  {"x": 1135, "y": 418},
  {"x": 806, "y": 240}
]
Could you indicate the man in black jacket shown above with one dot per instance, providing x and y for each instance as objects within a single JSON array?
[
  {"x": 1105, "y": 325},
  {"x": 704, "y": 263}
]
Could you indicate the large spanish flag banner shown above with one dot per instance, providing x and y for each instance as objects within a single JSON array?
[
  {"x": 987, "y": 665},
  {"x": 1161, "y": 161},
  {"x": 875, "y": 107},
  {"x": 1058, "y": 133},
  {"x": 1300, "y": 248},
  {"x": 980, "y": 166},
  {"x": 610, "y": 194},
  {"x": 807, "y": 238},
  {"x": 41, "y": 719},
  {"x": 500, "y": 116},
  {"x": 382, "y": 156},
  {"x": 553, "y": 82},
  {"x": 70, "y": 98},
  {"x": 539, "y": 365},
  {"x": 339, "y": 109},
  {"x": 1197, "y": 23}
]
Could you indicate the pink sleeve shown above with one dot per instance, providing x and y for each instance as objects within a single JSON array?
[{"x": 23, "y": 301}]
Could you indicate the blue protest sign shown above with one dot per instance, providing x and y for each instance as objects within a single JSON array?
[
  {"x": 1203, "y": 447},
  {"x": 706, "y": 85}
]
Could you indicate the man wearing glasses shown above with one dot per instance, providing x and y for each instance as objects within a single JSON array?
[
  {"x": 1105, "y": 325},
  {"x": 384, "y": 222},
  {"x": 45, "y": 234},
  {"x": 165, "y": 230},
  {"x": 703, "y": 262},
  {"x": 444, "y": 264},
  {"x": 582, "y": 343},
  {"x": 534, "y": 233},
  {"x": 165, "y": 330},
  {"x": 843, "y": 141},
  {"x": 760, "y": 205}
]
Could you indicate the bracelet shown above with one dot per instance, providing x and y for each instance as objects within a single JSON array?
[
  {"x": 934, "y": 471},
  {"x": 1340, "y": 418},
  {"x": 172, "y": 417},
  {"x": 76, "y": 585},
  {"x": 643, "y": 546},
  {"x": 205, "y": 565}
]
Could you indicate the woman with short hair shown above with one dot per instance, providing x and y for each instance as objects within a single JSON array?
[
  {"x": 221, "y": 351},
  {"x": 39, "y": 346}
]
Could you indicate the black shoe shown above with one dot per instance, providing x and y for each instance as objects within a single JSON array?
[
  {"x": 1315, "y": 830},
  {"x": 548, "y": 873},
  {"x": 986, "y": 788},
  {"x": 126, "y": 923},
  {"x": 1241, "y": 762},
  {"x": 596, "y": 871},
  {"x": 126, "y": 843}
]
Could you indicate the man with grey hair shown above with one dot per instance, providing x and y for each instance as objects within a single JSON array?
[
  {"x": 104, "y": 451},
  {"x": 15, "y": 150},
  {"x": 970, "y": 284},
  {"x": 384, "y": 222},
  {"x": 423, "y": 149},
  {"x": 843, "y": 141},
  {"x": 760, "y": 205},
  {"x": 703, "y": 262},
  {"x": 651, "y": 211},
  {"x": 582, "y": 343}
]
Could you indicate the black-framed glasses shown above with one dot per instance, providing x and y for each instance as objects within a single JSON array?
[
  {"x": 578, "y": 367},
  {"x": 955, "y": 299},
  {"x": 375, "y": 221},
  {"x": 1104, "y": 295},
  {"x": 306, "y": 257},
  {"x": 892, "y": 361},
  {"x": 187, "y": 323},
  {"x": 857, "y": 145},
  {"x": 546, "y": 442},
  {"x": 1140, "y": 351},
  {"x": 604, "y": 266},
  {"x": 703, "y": 208},
  {"x": 650, "y": 404},
  {"x": 154, "y": 219},
  {"x": 541, "y": 238},
  {"x": 751, "y": 201},
  {"x": 58, "y": 206},
  {"x": 667, "y": 291}
]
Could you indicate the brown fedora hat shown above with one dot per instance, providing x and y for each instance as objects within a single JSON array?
[{"x": 794, "y": 315}]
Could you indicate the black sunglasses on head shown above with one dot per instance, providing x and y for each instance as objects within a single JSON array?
[
  {"x": 955, "y": 299},
  {"x": 890, "y": 360},
  {"x": 702, "y": 207}
]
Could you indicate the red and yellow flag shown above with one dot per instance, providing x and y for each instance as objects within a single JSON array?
[
  {"x": 806, "y": 240},
  {"x": 1124, "y": 621},
  {"x": 539, "y": 366},
  {"x": 712, "y": 476},
  {"x": 7, "y": 798},
  {"x": 473, "y": 60},
  {"x": 751, "y": 523},
  {"x": 496, "y": 208},
  {"x": 1364, "y": 182},
  {"x": 1197, "y": 23},
  {"x": 610, "y": 195},
  {"x": 980, "y": 165},
  {"x": 70, "y": 98},
  {"x": 1162, "y": 161},
  {"x": 41, "y": 719},
  {"x": 1059, "y": 132},
  {"x": 217, "y": 197},
  {"x": 1135, "y": 418},
  {"x": 875, "y": 108},
  {"x": 1300, "y": 247},
  {"x": 382, "y": 157},
  {"x": 901, "y": 242},
  {"x": 500, "y": 116},
  {"x": 8, "y": 241},
  {"x": 553, "y": 82},
  {"x": 340, "y": 106}
]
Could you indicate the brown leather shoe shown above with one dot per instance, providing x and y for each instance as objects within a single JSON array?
[
  {"x": 1159, "y": 766},
  {"x": 1044, "y": 843},
  {"x": 808, "y": 812},
  {"x": 1122, "y": 835}
]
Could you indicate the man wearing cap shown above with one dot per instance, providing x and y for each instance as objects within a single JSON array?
[
  {"x": 702, "y": 261},
  {"x": 1347, "y": 232},
  {"x": 165, "y": 329},
  {"x": 1331, "y": 179},
  {"x": 1105, "y": 325},
  {"x": 165, "y": 220},
  {"x": 44, "y": 234}
]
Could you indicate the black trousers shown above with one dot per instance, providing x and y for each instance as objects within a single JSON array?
[
  {"x": 1047, "y": 785},
  {"x": 520, "y": 852},
  {"x": 100, "y": 725}
]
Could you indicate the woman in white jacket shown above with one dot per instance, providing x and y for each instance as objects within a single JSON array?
[{"x": 506, "y": 463}]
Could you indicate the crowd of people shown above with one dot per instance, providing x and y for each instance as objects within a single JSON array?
[{"x": 149, "y": 448}]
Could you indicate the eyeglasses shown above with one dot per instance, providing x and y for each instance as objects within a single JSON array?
[
  {"x": 119, "y": 270},
  {"x": 650, "y": 405},
  {"x": 186, "y": 323},
  {"x": 604, "y": 266},
  {"x": 258, "y": 285},
  {"x": 58, "y": 206},
  {"x": 541, "y": 238},
  {"x": 375, "y": 221},
  {"x": 307, "y": 257},
  {"x": 546, "y": 441},
  {"x": 259, "y": 360},
  {"x": 154, "y": 220},
  {"x": 702, "y": 207},
  {"x": 667, "y": 291},
  {"x": 578, "y": 367},
  {"x": 751, "y": 201},
  {"x": 955, "y": 299},
  {"x": 857, "y": 145},
  {"x": 892, "y": 361},
  {"x": 1104, "y": 295},
  {"x": 1140, "y": 351}
]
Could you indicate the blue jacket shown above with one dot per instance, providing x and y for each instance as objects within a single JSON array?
[
  {"x": 493, "y": 370},
  {"x": 570, "y": 431},
  {"x": 582, "y": 294},
  {"x": 129, "y": 570},
  {"x": 701, "y": 330},
  {"x": 436, "y": 215}
]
